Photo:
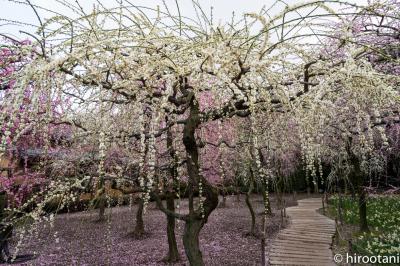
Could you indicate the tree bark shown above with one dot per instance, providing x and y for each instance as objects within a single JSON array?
[
  {"x": 316, "y": 187},
  {"x": 102, "y": 208},
  {"x": 223, "y": 203},
  {"x": 139, "y": 227},
  {"x": 263, "y": 263},
  {"x": 340, "y": 207},
  {"x": 196, "y": 218},
  {"x": 266, "y": 199},
  {"x": 101, "y": 199},
  {"x": 264, "y": 189},
  {"x": 358, "y": 180},
  {"x": 3, "y": 204},
  {"x": 173, "y": 253},
  {"x": 248, "y": 203},
  {"x": 263, "y": 238},
  {"x": 237, "y": 192},
  {"x": 191, "y": 242},
  {"x": 362, "y": 207},
  {"x": 5, "y": 230}
]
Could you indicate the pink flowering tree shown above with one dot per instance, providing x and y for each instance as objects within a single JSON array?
[
  {"x": 31, "y": 134},
  {"x": 16, "y": 184}
]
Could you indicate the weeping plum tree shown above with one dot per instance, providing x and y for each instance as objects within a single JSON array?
[
  {"x": 113, "y": 63},
  {"x": 351, "y": 137},
  {"x": 365, "y": 107}
]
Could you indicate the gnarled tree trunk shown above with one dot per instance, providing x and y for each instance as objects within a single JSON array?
[
  {"x": 196, "y": 218},
  {"x": 191, "y": 241}
]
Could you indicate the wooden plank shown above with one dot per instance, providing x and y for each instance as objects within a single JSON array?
[
  {"x": 296, "y": 237},
  {"x": 316, "y": 247},
  {"x": 298, "y": 261},
  {"x": 289, "y": 257},
  {"x": 308, "y": 233},
  {"x": 301, "y": 258},
  {"x": 288, "y": 251},
  {"x": 305, "y": 231},
  {"x": 290, "y": 254},
  {"x": 306, "y": 241},
  {"x": 298, "y": 244}
]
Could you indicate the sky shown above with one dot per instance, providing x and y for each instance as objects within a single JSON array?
[{"x": 222, "y": 10}]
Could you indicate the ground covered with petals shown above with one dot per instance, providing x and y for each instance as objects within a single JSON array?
[{"x": 76, "y": 239}]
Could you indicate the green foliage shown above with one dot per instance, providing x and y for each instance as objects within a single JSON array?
[{"x": 383, "y": 215}]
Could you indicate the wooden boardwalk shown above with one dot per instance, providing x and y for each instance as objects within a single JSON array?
[{"x": 307, "y": 239}]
